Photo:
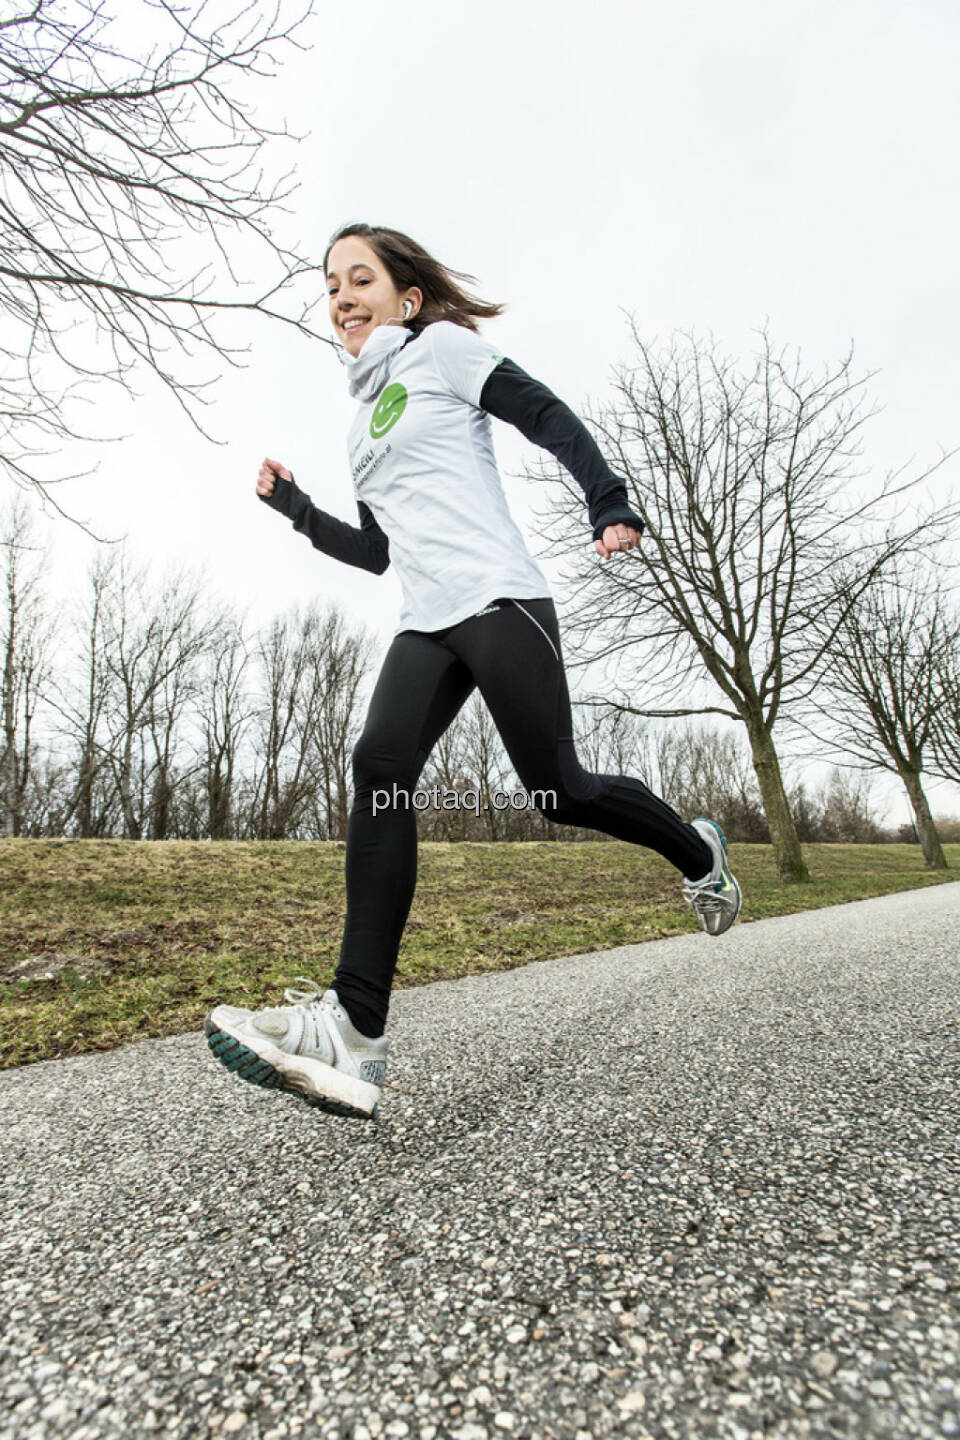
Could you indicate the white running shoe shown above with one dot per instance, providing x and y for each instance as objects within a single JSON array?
[
  {"x": 717, "y": 898},
  {"x": 309, "y": 1047}
]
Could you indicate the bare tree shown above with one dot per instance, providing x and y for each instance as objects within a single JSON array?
[
  {"x": 880, "y": 695},
  {"x": 486, "y": 762},
  {"x": 80, "y": 696},
  {"x": 747, "y": 487},
  {"x": 612, "y": 741},
  {"x": 845, "y": 812},
  {"x": 176, "y": 690},
  {"x": 151, "y": 643},
  {"x": 945, "y": 734},
  {"x": 340, "y": 664},
  {"x": 470, "y": 761},
  {"x": 131, "y": 180},
  {"x": 224, "y": 715},
  {"x": 47, "y": 798},
  {"x": 25, "y": 639},
  {"x": 283, "y": 784},
  {"x": 446, "y": 769},
  {"x": 702, "y": 770}
]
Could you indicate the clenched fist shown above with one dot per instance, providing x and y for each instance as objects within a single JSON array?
[
  {"x": 616, "y": 538},
  {"x": 270, "y": 472}
]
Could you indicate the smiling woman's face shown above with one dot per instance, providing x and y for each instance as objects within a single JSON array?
[{"x": 361, "y": 290}]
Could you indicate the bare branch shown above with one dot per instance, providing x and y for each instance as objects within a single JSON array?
[{"x": 117, "y": 166}]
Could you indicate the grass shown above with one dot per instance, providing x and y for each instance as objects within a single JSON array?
[{"x": 171, "y": 928}]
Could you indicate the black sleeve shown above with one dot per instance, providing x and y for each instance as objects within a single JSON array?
[
  {"x": 365, "y": 546},
  {"x": 510, "y": 394}
]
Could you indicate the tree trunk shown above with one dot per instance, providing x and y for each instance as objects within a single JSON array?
[
  {"x": 84, "y": 795},
  {"x": 933, "y": 855},
  {"x": 791, "y": 866},
  {"x": 8, "y": 744},
  {"x": 161, "y": 804},
  {"x": 219, "y": 787},
  {"x": 131, "y": 824}
]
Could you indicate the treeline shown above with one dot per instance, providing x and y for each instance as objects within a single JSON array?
[{"x": 148, "y": 712}]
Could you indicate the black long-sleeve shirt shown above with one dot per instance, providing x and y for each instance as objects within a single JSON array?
[
  {"x": 365, "y": 545},
  {"x": 510, "y": 394}
]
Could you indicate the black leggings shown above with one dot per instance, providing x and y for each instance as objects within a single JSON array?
[{"x": 511, "y": 653}]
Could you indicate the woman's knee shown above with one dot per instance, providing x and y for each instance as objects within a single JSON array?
[
  {"x": 378, "y": 764},
  {"x": 561, "y": 789},
  {"x": 558, "y": 809}
]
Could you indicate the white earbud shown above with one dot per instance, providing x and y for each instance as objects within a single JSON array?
[{"x": 399, "y": 319}]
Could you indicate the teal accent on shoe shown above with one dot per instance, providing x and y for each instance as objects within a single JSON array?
[
  {"x": 704, "y": 821},
  {"x": 247, "y": 1065},
  {"x": 243, "y": 1062}
]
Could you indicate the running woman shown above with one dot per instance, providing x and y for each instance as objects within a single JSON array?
[{"x": 477, "y": 613}]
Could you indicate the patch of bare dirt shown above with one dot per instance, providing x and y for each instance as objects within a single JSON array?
[
  {"x": 50, "y": 965},
  {"x": 510, "y": 916}
]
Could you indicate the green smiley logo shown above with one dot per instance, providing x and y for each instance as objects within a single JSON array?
[{"x": 388, "y": 410}]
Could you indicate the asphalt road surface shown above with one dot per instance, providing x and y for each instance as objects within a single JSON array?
[{"x": 700, "y": 1187}]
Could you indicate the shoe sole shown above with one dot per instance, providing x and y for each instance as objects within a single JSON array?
[
  {"x": 736, "y": 913},
  {"x": 296, "y": 1074}
]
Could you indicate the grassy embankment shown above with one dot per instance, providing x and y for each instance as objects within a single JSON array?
[{"x": 171, "y": 928}]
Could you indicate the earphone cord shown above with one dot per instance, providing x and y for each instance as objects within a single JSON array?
[{"x": 338, "y": 348}]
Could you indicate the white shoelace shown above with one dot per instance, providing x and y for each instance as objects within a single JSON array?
[
  {"x": 311, "y": 996},
  {"x": 703, "y": 895},
  {"x": 311, "y": 1001}
]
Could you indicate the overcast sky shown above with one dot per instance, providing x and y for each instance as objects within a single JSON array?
[{"x": 699, "y": 165}]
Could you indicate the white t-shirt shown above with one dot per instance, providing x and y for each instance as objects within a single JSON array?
[{"x": 422, "y": 459}]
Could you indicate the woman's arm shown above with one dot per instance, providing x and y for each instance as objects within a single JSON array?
[
  {"x": 510, "y": 394},
  {"x": 365, "y": 546}
]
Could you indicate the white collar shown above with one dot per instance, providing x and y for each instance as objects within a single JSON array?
[{"x": 367, "y": 371}]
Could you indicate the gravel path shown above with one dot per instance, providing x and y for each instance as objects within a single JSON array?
[{"x": 692, "y": 1188}]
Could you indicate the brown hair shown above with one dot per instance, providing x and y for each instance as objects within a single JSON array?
[{"x": 408, "y": 264}]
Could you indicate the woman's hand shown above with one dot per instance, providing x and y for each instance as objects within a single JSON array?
[
  {"x": 270, "y": 472},
  {"x": 616, "y": 538}
]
